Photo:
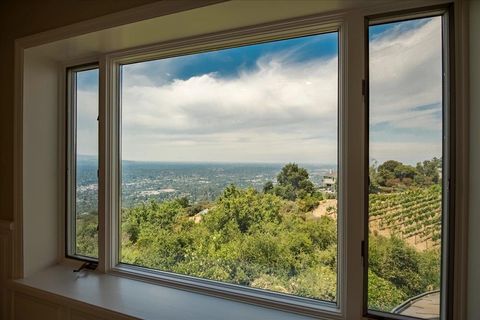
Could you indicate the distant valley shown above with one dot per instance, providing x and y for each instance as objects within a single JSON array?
[{"x": 143, "y": 181}]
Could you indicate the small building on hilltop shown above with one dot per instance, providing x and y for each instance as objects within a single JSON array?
[{"x": 329, "y": 181}]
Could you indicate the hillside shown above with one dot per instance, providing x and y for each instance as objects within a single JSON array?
[{"x": 413, "y": 215}]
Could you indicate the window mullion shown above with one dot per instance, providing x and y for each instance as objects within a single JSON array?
[
  {"x": 353, "y": 161},
  {"x": 104, "y": 168}
]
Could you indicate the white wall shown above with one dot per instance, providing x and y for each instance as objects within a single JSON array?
[
  {"x": 40, "y": 163},
  {"x": 474, "y": 219}
]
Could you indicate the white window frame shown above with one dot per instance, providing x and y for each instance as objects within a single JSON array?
[
  {"x": 71, "y": 158},
  {"x": 448, "y": 152},
  {"x": 351, "y": 175}
]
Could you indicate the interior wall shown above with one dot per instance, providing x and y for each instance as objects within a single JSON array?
[
  {"x": 40, "y": 162},
  {"x": 474, "y": 219},
  {"x": 19, "y": 18}
]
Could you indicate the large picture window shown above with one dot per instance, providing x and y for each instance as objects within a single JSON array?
[
  {"x": 229, "y": 165},
  {"x": 250, "y": 164}
]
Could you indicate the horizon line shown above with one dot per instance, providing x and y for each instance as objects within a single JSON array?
[{"x": 217, "y": 162}]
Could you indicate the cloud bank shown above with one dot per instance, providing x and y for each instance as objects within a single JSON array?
[
  {"x": 283, "y": 109},
  {"x": 406, "y": 93},
  {"x": 87, "y": 126},
  {"x": 279, "y": 111}
]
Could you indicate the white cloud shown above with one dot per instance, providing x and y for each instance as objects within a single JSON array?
[
  {"x": 406, "y": 93},
  {"x": 87, "y": 130},
  {"x": 406, "y": 72},
  {"x": 280, "y": 111}
]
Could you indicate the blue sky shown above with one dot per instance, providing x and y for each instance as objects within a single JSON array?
[
  {"x": 87, "y": 80},
  {"x": 277, "y": 101},
  {"x": 230, "y": 62}
]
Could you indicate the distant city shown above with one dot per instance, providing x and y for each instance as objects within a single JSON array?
[{"x": 144, "y": 181}]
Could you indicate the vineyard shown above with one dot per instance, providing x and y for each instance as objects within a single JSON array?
[{"x": 413, "y": 215}]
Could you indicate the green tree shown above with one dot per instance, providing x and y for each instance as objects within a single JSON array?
[
  {"x": 293, "y": 182},
  {"x": 385, "y": 172},
  {"x": 405, "y": 171},
  {"x": 297, "y": 177},
  {"x": 268, "y": 187},
  {"x": 389, "y": 166},
  {"x": 393, "y": 173},
  {"x": 161, "y": 215},
  {"x": 246, "y": 208},
  {"x": 373, "y": 187},
  {"x": 429, "y": 171}
]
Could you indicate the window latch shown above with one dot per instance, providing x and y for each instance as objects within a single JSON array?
[{"x": 89, "y": 265}]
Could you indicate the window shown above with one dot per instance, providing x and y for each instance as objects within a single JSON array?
[
  {"x": 229, "y": 165},
  {"x": 83, "y": 162},
  {"x": 406, "y": 167}
]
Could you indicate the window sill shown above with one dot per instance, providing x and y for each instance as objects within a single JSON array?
[{"x": 140, "y": 299}]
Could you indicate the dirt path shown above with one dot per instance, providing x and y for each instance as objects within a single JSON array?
[{"x": 327, "y": 208}]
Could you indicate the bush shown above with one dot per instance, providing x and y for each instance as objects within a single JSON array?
[
  {"x": 410, "y": 271},
  {"x": 87, "y": 234},
  {"x": 382, "y": 294},
  {"x": 318, "y": 282}
]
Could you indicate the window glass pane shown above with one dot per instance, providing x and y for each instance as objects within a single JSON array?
[
  {"x": 405, "y": 196},
  {"x": 229, "y": 165},
  {"x": 86, "y": 184}
]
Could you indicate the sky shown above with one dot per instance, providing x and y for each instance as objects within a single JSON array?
[
  {"x": 406, "y": 90},
  {"x": 275, "y": 102},
  {"x": 87, "y": 112}
]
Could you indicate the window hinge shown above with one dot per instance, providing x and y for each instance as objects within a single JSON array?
[
  {"x": 364, "y": 252},
  {"x": 364, "y": 87}
]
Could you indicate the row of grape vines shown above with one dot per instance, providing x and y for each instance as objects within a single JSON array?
[{"x": 412, "y": 213}]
